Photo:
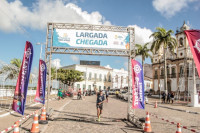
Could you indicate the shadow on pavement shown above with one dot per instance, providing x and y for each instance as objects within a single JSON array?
[
  {"x": 67, "y": 113},
  {"x": 80, "y": 120}
]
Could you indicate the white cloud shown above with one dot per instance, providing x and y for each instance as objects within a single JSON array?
[
  {"x": 142, "y": 34},
  {"x": 74, "y": 58},
  {"x": 169, "y": 8},
  {"x": 108, "y": 66},
  {"x": 56, "y": 63},
  {"x": 15, "y": 16}
]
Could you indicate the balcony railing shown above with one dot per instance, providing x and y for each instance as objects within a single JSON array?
[
  {"x": 162, "y": 76},
  {"x": 173, "y": 75},
  {"x": 155, "y": 76}
]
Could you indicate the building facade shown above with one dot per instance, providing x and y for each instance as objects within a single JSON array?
[
  {"x": 95, "y": 77},
  {"x": 99, "y": 78},
  {"x": 179, "y": 66},
  {"x": 119, "y": 78}
]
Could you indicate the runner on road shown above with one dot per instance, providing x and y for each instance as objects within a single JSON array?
[{"x": 100, "y": 100}]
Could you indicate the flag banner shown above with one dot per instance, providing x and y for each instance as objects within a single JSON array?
[
  {"x": 20, "y": 93},
  {"x": 40, "y": 93},
  {"x": 137, "y": 85},
  {"x": 193, "y": 37}
]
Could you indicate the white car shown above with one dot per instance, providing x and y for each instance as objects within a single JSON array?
[{"x": 125, "y": 96}]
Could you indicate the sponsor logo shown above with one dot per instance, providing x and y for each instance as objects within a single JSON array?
[
  {"x": 42, "y": 67},
  {"x": 28, "y": 53},
  {"x": 137, "y": 69},
  {"x": 197, "y": 45}
]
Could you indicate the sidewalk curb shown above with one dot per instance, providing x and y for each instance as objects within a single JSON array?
[
  {"x": 181, "y": 110},
  {"x": 12, "y": 112}
]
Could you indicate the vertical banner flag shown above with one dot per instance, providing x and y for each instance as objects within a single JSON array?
[
  {"x": 40, "y": 93},
  {"x": 19, "y": 99},
  {"x": 137, "y": 85},
  {"x": 193, "y": 37}
]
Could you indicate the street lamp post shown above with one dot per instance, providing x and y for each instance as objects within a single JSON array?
[{"x": 40, "y": 48}]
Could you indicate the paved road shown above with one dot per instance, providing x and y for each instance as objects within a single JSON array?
[{"x": 79, "y": 116}]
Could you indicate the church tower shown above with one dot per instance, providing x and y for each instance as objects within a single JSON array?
[{"x": 182, "y": 43}]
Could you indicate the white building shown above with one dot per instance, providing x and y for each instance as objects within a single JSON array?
[
  {"x": 99, "y": 77},
  {"x": 95, "y": 77},
  {"x": 119, "y": 78}
]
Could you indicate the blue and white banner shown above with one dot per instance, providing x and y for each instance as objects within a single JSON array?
[{"x": 90, "y": 39}]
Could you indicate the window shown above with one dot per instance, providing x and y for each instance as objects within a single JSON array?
[
  {"x": 100, "y": 77},
  {"x": 116, "y": 78},
  {"x": 109, "y": 78},
  {"x": 181, "y": 42},
  {"x": 156, "y": 74},
  {"x": 105, "y": 78},
  {"x": 104, "y": 87},
  {"x": 95, "y": 76},
  {"x": 162, "y": 71},
  {"x": 84, "y": 86},
  {"x": 78, "y": 86},
  {"x": 196, "y": 73},
  {"x": 84, "y": 75},
  {"x": 90, "y": 76},
  {"x": 122, "y": 78},
  {"x": 181, "y": 69},
  {"x": 89, "y": 87},
  {"x": 168, "y": 70},
  {"x": 99, "y": 87},
  {"x": 173, "y": 70}
]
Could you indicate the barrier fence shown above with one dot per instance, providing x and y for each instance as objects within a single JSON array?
[
  {"x": 20, "y": 120},
  {"x": 6, "y": 100}
]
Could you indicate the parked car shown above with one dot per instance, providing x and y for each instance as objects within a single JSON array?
[
  {"x": 111, "y": 92},
  {"x": 149, "y": 93},
  {"x": 121, "y": 94},
  {"x": 126, "y": 96}
]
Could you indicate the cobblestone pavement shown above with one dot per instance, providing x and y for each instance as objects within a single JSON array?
[{"x": 79, "y": 116}]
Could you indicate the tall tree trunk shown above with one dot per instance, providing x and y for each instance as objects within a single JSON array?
[{"x": 165, "y": 71}]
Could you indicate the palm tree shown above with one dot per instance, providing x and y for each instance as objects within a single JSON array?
[
  {"x": 143, "y": 51},
  {"x": 163, "y": 38},
  {"x": 11, "y": 70}
]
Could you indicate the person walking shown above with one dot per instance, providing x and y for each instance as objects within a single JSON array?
[
  {"x": 99, "y": 105},
  {"x": 79, "y": 94},
  {"x": 172, "y": 97},
  {"x": 107, "y": 94},
  {"x": 168, "y": 97},
  {"x": 84, "y": 93},
  {"x": 59, "y": 93},
  {"x": 163, "y": 97}
]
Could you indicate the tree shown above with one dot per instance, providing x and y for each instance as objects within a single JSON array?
[
  {"x": 69, "y": 77},
  {"x": 163, "y": 38},
  {"x": 143, "y": 51},
  {"x": 11, "y": 70}
]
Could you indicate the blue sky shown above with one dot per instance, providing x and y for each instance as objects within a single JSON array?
[{"x": 23, "y": 20}]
